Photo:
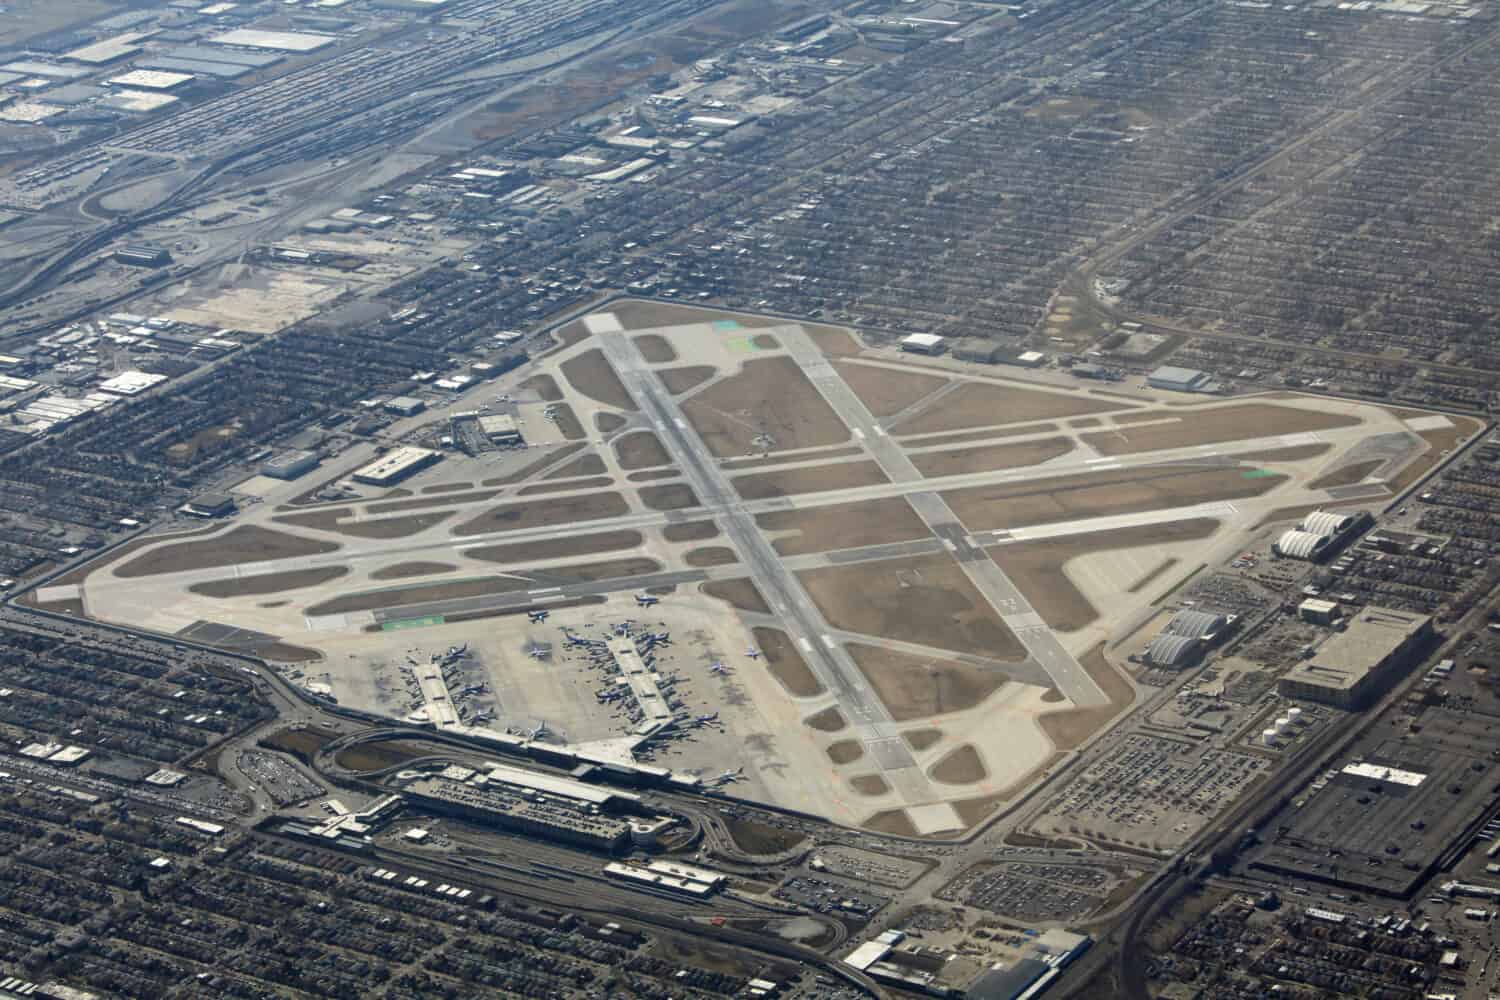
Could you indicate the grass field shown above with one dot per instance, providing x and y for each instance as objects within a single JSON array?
[
  {"x": 1122, "y": 491},
  {"x": 712, "y": 555},
  {"x": 1216, "y": 426},
  {"x": 556, "y": 548},
  {"x": 926, "y": 600},
  {"x": 960, "y": 766},
  {"x": 268, "y": 583},
  {"x": 690, "y": 531},
  {"x": 980, "y": 404},
  {"x": 674, "y": 496},
  {"x": 915, "y": 688},
  {"x": 406, "y": 570},
  {"x": 809, "y": 479},
  {"x": 740, "y": 593},
  {"x": 590, "y": 373},
  {"x": 962, "y": 461},
  {"x": 640, "y": 450},
  {"x": 686, "y": 379},
  {"x": 887, "y": 391},
  {"x": 842, "y": 526},
  {"x": 244, "y": 544},
  {"x": 560, "y": 510},
  {"x": 769, "y": 405},
  {"x": 785, "y": 663},
  {"x": 655, "y": 348},
  {"x": 1069, "y": 728}
]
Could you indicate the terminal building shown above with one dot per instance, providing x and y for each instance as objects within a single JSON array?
[
  {"x": 395, "y": 465},
  {"x": 1357, "y": 665},
  {"x": 539, "y": 804}
]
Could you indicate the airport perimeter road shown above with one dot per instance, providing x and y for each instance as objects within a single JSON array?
[
  {"x": 827, "y": 659},
  {"x": 1042, "y": 644}
]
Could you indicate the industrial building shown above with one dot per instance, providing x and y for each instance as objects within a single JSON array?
[
  {"x": 1356, "y": 665},
  {"x": 1178, "y": 379},
  {"x": 665, "y": 876},
  {"x": 923, "y": 343},
  {"x": 290, "y": 464},
  {"x": 1318, "y": 611},
  {"x": 406, "y": 406},
  {"x": 395, "y": 465},
  {"x": 143, "y": 255}
]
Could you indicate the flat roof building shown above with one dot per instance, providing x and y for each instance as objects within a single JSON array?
[
  {"x": 923, "y": 343},
  {"x": 395, "y": 465},
  {"x": 1180, "y": 379},
  {"x": 500, "y": 428},
  {"x": 210, "y": 505},
  {"x": 290, "y": 464},
  {"x": 1356, "y": 665},
  {"x": 406, "y": 406}
]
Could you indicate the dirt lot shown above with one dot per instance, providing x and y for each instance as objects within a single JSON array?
[
  {"x": 556, "y": 548},
  {"x": 926, "y": 600},
  {"x": 446, "y": 488},
  {"x": 396, "y": 597},
  {"x": 269, "y": 583},
  {"x": 830, "y": 720},
  {"x": 943, "y": 440},
  {"x": 681, "y": 380},
  {"x": 921, "y": 739},
  {"x": 741, "y": 593},
  {"x": 690, "y": 531},
  {"x": 1346, "y": 475},
  {"x": 389, "y": 527},
  {"x": 886, "y": 391},
  {"x": 612, "y": 569},
  {"x": 961, "y": 461},
  {"x": 785, "y": 663},
  {"x": 832, "y": 341},
  {"x": 820, "y": 454},
  {"x": 1121, "y": 491},
  {"x": 655, "y": 348},
  {"x": 561, "y": 510},
  {"x": 587, "y": 464},
  {"x": 642, "y": 314},
  {"x": 652, "y": 475},
  {"x": 845, "y": 751},
  {"x": 843, "y": 526},
  {"x": 1439, "y": 443},
  {"x": 981, "y": 404},
  {"x": 768, "y": 398},
  {"x": 765, "y": 342},
  {"x": 567, "y": 422},
  {"x": 673, "y": 496},
  {"x": 244, "y": 544},
  {"x": 544, "y": 386},
  {"x": 712, "y": 555},
  {"x": 1069, "y": 728},
  {"x": 961, "y": 766},
  {"x": 1037, "y": 568},
  {"x": 641, "y": 450},
  {"x": 869, "y": 784},
  {"x": 809, "y": 479},
  {"x": 913, "y": 688},
  {"x": 597, "y": 482},
  {"x": 590, "y": 373},
  {"x": 608, "y": 423},
  {"x": 1213, "y": 426},
  {"x": 396, "y": 506},
  {"x": 402, "y": 571}
]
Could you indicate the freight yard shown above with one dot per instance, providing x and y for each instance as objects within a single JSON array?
[{"x": 713, "y": 498}]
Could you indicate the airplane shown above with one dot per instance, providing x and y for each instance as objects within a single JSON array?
[
  {"x": 730, "y": 776},
  {"x": 752, "y": 652},
  {"x": 537, "y": 616},
  {"x": 704, "y": 720},
  {"x": 457, "y": 651},
  {"x": 718, "y": 667},
  {"x": 539, "y": 731},
  {"x": 645, "y": 600}
]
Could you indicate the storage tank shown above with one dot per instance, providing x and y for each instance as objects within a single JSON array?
[
  {"x": 1296, "y": 716},
  {"x": 1270, "y": 737},
  {"x": 1282, "y": 725}
]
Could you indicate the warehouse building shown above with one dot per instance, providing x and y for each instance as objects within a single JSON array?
[
  {"x": 210, "y": 505},
  {"x": 1358, "y": 664},
  {"x": 290, "y": 464},
  {"x": 143, "y": 255},
  {"x": 406, "y": 406},
  {"x": 1317, "y": 611},
  {"x": 501, "y": 429},
  {"x": 1178, "y": 379},
  {"x": 923, "y": 343},
  {"x": 396, "y": 465}
]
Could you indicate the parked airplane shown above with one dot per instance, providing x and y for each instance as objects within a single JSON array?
[
  {"x": 710, "y": 717},
  {"x": 718, "y": 667},
  {"x": 646, "y": 600},
  {"x": 537, "y": 616},
  {"x": 752, "y": 652},
  {"x": 539, "y": 731}
]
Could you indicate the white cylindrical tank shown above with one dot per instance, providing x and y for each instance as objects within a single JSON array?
[
  {"x": 1283, "y": 724},
  {"x": 1270, "y": 737},
  {"x": 1296, "y": 716}
]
